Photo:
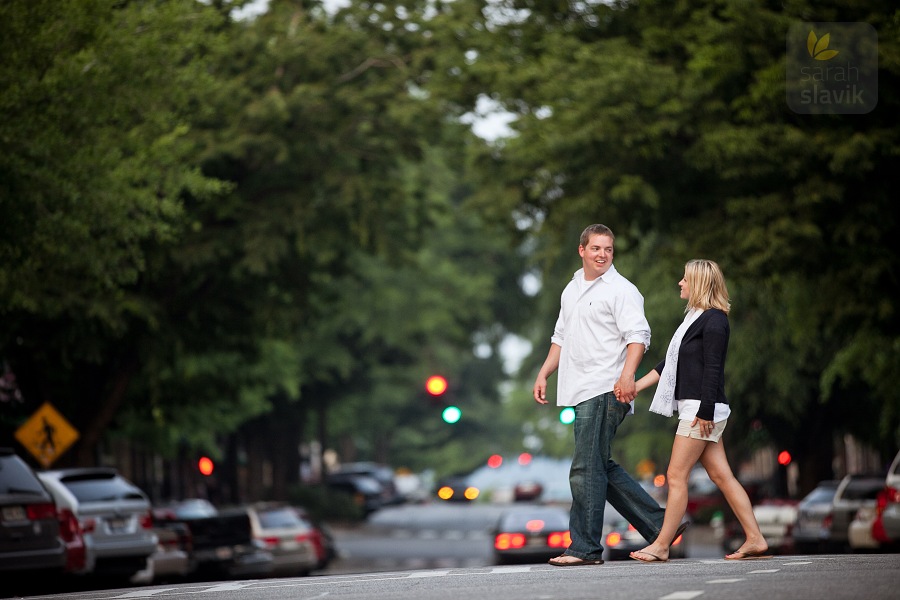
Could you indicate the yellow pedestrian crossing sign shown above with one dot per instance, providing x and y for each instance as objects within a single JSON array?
[{"x": 46, "y": 434}]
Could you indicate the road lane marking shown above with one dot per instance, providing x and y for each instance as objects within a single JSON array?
[
  {"x": 804, "y": 562},
  {"x": 526, "y": 569},
  {"x": 428, "y": 574},
  {"x": 726, "y": 580},
  {"x": 765, "y": 571},
  {"x": 229, "y": 587},
  {"x": 685, "y": 595},
  {"x": 144, "y": 593}
]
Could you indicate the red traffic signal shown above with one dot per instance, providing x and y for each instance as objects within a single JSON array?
[
  {"x": 784, "y": 458},
  {"x": 436, "y": 385},
  {"x": 205, "y": 465}
]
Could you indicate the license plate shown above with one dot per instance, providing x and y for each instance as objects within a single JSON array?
[
  {"x": 290, "y": 545},
  {"x": 116, "y": 524},
  {"x": 14, "y": 513}
]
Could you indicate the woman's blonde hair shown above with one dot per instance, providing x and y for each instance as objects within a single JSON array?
[{"x": 707, "y": 285}]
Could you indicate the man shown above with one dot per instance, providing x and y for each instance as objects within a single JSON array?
[{"x": 598, "y": 342}]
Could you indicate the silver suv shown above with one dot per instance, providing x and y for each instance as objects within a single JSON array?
[{"x": 114, "y": 515}]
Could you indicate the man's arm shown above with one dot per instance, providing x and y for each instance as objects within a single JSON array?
[{"x": 551, "y": 363}]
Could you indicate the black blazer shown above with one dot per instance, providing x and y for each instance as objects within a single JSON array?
[{"x": 701, "y": 362}]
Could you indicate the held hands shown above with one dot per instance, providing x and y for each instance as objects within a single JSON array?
[{"x": 625, "y": 390}]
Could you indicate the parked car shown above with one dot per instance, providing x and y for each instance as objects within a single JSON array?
[
  {"x": 859, "y": 534},
  {"x": 172, "y": 558},
  {"x": 853, "y": 493},
  {"x": 812, "y": 531},
  {"x": 222, "y": 544},
  {"x": 886, "y": 525},
  {"x": 280, "y": 530},
  {"x": 322, "y": 538},
  {"x": 31, "y": 542},
  {"x": 114, "y": 516}
]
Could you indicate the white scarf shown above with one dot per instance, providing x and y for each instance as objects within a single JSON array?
[{"x": 664, "y": 398}]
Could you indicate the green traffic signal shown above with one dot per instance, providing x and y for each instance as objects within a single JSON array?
[
  {"x": 451, "y": 414},
  {"x": 567, "y": 415}
]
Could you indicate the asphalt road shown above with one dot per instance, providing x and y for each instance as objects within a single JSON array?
[{"x": 872, "y": 577}]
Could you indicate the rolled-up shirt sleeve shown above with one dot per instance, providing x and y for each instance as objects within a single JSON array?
[{"x": 631, "y": 320}]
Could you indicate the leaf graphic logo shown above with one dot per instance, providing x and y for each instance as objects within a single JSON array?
[{"x": 818, "y": 47}]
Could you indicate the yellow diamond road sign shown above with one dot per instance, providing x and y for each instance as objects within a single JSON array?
[{"x": 46, "y": 434}]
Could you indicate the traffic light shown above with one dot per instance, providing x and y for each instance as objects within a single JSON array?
[
  {"x": 784, "y": 458},
  {"x": 205, "y": 465},
  {"x": 451, "y": 414},
  {"x": 567, "y": 415},
  {"x": 436, "y": 385}
]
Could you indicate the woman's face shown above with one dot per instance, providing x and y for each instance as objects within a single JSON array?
[{"x": 685, "y": 288}]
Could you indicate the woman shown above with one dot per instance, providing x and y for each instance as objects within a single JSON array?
[{"x": 691, "y": 380}]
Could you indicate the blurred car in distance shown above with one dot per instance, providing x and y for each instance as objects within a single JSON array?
[
  {"x": 365, "y": 491},
  {"x": 812, "y": 531},
  {"x": 384, "y": 474},
  {"x": 114, "y": 516},
  {"x": 853, "y": 493},
  {"x": 527, "y": 491},
  {"x": 221, "y": 541},
  {"x": 31, "y": 540},
  {"x": 281, "y": 531},
  {"x": 456, "y": 488},
  {"x": 886, "y": 525},
  {"x": 531, "y": 533}
]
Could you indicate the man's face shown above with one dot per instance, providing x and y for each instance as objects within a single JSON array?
[{"x": 597, "y": 256}]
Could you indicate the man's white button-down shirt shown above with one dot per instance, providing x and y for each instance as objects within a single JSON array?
[{"x": 597, "y": 321}]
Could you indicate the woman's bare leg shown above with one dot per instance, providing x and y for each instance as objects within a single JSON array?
[
  {"x": 685, "y": 454},
  {"x": 716, "y": 464}
]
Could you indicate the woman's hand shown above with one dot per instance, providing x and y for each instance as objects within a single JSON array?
[{"x": 706, "y": 427}]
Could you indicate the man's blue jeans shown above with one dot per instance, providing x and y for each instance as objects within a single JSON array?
[{"x": 596, "y": 478}]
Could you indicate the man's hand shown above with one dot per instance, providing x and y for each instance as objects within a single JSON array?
[
  {"x": 625, "y": 389},
  {"x": 540, "y": 390}
]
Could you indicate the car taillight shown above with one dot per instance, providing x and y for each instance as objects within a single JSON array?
[
  {"x": 559, "y": 539},
  {"x": 43, "y": 510},
  {"x": 826, "y": 522},
  {"x": 508, "y": 541},
  {"x": 269, "y": 542},
  {"x": 886, "y": 496},
  {"x": 302, "y": 537},
  {"x": 69, "y": 528},
  {"x": 147, "y": 521},
  {"x": 613, "y": 538}
]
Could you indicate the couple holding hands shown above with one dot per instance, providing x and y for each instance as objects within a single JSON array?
[{"x": 598, "y": 342}]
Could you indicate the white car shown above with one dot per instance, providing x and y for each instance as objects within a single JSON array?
[
  {"x": 289, "y": 538},
  {"x": 114, "y": 515}
]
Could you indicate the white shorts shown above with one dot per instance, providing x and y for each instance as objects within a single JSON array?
[{"x": 685, "y": 429}]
